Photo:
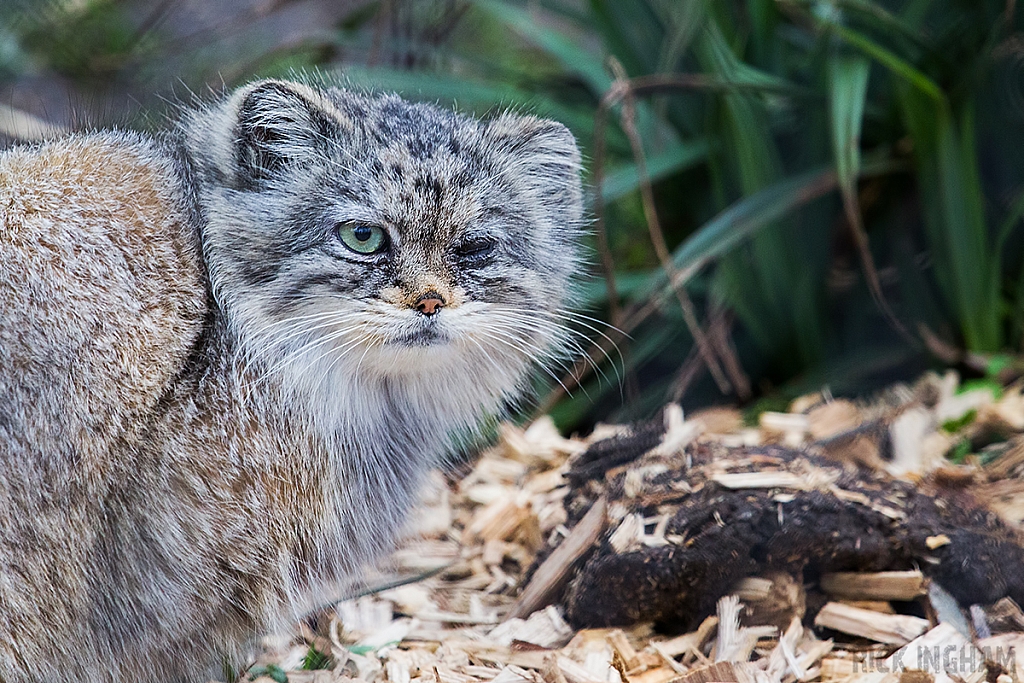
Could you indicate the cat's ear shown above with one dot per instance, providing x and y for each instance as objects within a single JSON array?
[
  {"x": 545, "y": 159},
  {"x": 279, "y": 126},
  {"x": 536, "y": 140}
]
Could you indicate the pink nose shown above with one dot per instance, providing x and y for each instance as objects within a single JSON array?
[{"x": 430, "y": 303}]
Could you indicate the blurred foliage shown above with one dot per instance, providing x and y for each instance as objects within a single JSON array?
[{"x": 838, "y": 183}]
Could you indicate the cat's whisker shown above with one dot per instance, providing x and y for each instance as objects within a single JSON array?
[
  {"x": 343, "y": 351},
  {"x": 528, "y": 351},
  {"x": 542, "y": 366},
  {"x": 312, "y": 345},
  {"x": 487, "y": 356},
  {"x": 562, "y": 334},
  {"x": 583, "y": 316},
  {"x": 280, "y": 344},
  {"x": 270, "y": 330},
  {"x": 279, "y": 331},
  {"x": 564, "y": 315},
  {"x": 544, "y": 352},
  {"x": 520, "y": 316}
]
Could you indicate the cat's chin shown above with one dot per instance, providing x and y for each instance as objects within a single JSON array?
[
  {"x": 432, "y": 355},
  {"x": 419, "y": 339},
  {"x": 414, "y": 357}
]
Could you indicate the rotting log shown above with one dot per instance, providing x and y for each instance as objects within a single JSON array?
[{"x": 699, "y": 520}]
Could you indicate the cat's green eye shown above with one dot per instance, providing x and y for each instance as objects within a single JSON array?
[{"x": 362, "y": 238}]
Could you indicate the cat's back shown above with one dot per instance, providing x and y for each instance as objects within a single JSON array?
[{"x": 101, "y": 294}]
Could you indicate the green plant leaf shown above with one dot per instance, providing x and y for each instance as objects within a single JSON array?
[
  {"x": 848, "y": 86},
  {"x": 959, "y": 452},
  {"x": 744, "y": 218},
  {"x": 758, "y": 283},
  {"x": 884, "y": 21},
  {"x": 271, "y": 671},
  {"x": 996, "y": 364},
  {"x": 966, "y": 268},
  {"x": 315, "y": 660},
  {"x": 576, "y": 59},
  {"x": 572, "y": 56},
  {"x": 888, "y": 59},
  {"x": 624, "y": 179}
]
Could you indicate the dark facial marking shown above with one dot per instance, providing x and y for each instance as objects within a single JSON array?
[
  {"x": 264, "y": 269},
  {"x": 430, "y": 186},
  {"x": 309, "y": 285}
]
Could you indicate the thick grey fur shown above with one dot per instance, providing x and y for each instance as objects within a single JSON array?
[{"x": 210, "y": 408}]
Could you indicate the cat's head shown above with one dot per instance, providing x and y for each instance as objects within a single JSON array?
[{"x": 366, "y": 236}]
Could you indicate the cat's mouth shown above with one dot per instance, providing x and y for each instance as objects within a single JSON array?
[{"x": 425, "y": 336}]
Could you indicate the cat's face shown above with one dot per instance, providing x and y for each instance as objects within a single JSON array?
[{"x": 370, "y": 235}]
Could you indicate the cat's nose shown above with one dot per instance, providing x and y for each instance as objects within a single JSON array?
[{"x": 430, "y": 303}]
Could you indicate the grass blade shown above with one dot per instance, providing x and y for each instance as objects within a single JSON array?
[
  {"x": 744, "y": 218},
  {"x": 848, "y": 85},
  {"x": 954, "y": 214},
  {"x": 465, "y": 93},
  {"x": 573, "y": 57},
  {"x": 625, "y": 179},
  {"x": 888, "y": 59}
]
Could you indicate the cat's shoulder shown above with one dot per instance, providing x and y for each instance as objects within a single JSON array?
[
  {"x": 102, "y": 288},
  {"x": 81, "y": 162}
]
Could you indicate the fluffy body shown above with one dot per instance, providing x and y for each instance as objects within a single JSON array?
[{"x": 211, "y": 408}]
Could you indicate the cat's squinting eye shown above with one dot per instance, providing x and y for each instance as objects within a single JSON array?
[
  {"x": 363, "y": 239},
  {"x": 477, "y": 250}
]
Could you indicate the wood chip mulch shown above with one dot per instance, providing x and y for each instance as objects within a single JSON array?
[{"x": 863, "y": 542}]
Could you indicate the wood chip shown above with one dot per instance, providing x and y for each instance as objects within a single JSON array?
[
  {"x": 690, "y": 641},
  {"x": 719, "y": 672},
  {"x": 907, "y": 434},
  {"x": 463, "y": 625},
  {"x": 618, "y": 640},
  {"x": 942, "y": 650},
  {"x": 1005, "y": 615},
  {"x": 575, "y": 672},
  {"x": 530, "y": 659},
  {"x": 897, "y": 585},
  {"x": 499, "y": 520},
  {"x": 512, "y": 674},
  {"x": 761, "y": 480},
  {"x": 789, "y": 428},
  {"x": 838, "y": 668},
  {"x": 719, "y": 420},
  {"x": 811, "y": 655},
  {"x": 554, "y": 572},
  {"x": 753, "y": 588},
  {"x": 880, "y": 606},
  {"x": 894, "y": 629},
  {"x": 834, "y": 417},
  {"x": 773, "y": 600},
  {"x": 662, "y": 674},
  {"x": 545, "y": 628},
  {"x": 678, "y": 433}
]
